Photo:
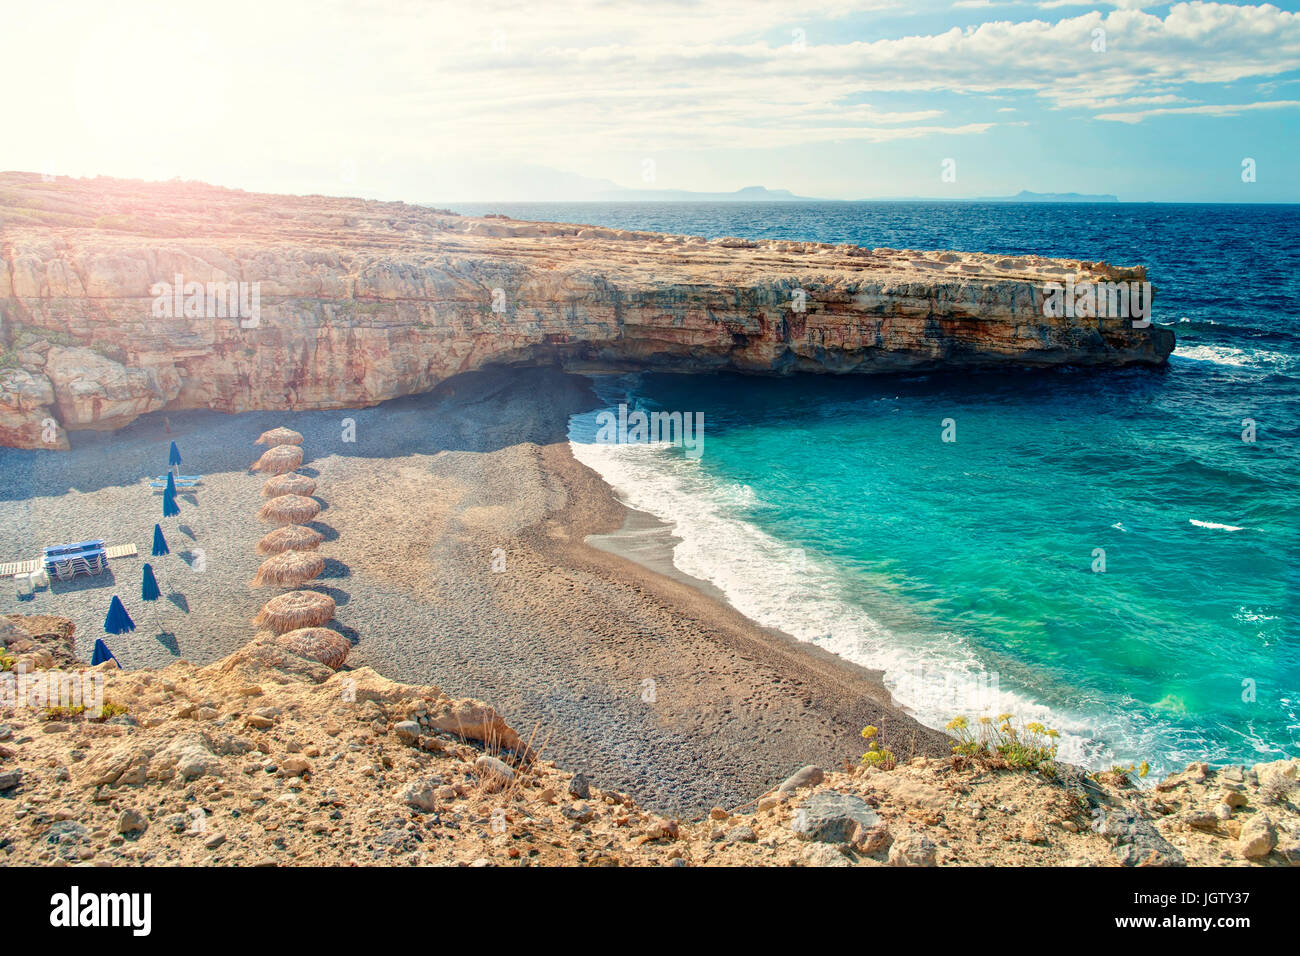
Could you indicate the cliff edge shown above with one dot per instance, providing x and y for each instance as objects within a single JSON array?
[
  {"x": 266, "y": 757},
  {"x": 119, "y": 298}
]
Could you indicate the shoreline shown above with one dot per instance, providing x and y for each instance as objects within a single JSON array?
[{"x": 567, "y": 640}]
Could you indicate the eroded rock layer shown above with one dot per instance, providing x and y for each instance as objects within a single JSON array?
[{"x": 340, "y": 303}]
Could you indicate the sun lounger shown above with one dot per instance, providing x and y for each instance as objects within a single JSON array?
[
  {"x": 68, "y": 560},
  {"x": 184, "y": 481}
]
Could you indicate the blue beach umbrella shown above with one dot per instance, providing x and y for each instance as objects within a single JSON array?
[
  {"x": 160, "y": 548},
  {"x": 149, "y": 585},
  {"x": 118, "y": 621},
  {"x": 174, "y": 456},
  {"x": 170, "y": 508},
  {"x": 171, "y": 485},
  {"x": 102, "y": 653}
]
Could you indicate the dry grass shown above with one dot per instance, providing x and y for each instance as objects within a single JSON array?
[
  {"x": 288, "y": 484},
  {"x": 289, "y": 569},
  {"x": 279, "y": 460},
  {"x": 291, "y": 537},
  {"x": 279, "y": 436},
  {"x": 317, "y": 644},
  {"x": 297, "y": 609},
  {"x": 289, "y": 509}
]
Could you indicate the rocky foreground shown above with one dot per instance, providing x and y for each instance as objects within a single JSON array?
[
  {"x": 270, "y": 758},
  {"x": 360, "y": 301}
]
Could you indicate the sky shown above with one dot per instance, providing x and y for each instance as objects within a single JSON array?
[{"x": 497, "y": 100}]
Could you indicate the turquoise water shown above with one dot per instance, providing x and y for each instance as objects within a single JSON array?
[{"x": 969, "y": 570}]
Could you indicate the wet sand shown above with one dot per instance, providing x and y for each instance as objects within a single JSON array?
[{"x": 467, "y": 548}]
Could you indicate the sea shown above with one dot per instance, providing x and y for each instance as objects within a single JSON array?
[{"x": 1110, "y": 553}]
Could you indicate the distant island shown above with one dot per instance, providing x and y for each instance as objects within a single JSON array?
[
  {"x": 1026, "y": 196},
  {"x": 763, "y": 194},
  {"x": 746, "y": 194}
]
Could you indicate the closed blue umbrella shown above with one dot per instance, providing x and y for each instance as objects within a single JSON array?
[
  {"x": 174, "y": 456},
  {"x": 102, "y": 653},
  {"x": 170, "y": 508},
  {"x": 160, "y": 548},
  {"x": 171, "y": 485},
  {"x": 149, "y": 585},
  {"x": 159, "y": 542},
  {"x": 118, "y": 621}
]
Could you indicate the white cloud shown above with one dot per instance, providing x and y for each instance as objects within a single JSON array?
[
  {"x": 1209, "y": 109},
  {"x": 161, "y": 86}
]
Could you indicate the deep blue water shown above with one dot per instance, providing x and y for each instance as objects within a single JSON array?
[{"x": 831, "y": 509}]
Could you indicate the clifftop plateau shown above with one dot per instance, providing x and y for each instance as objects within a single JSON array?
[{"x": 119, "y": 298}]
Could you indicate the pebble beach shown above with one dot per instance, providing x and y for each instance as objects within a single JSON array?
[{"x": 454, "y": 529}]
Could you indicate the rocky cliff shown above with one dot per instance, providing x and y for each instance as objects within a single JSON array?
[{"x": 119, "y": 298}]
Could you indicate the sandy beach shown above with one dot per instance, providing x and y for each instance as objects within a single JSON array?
[{"x": 645, "y": 681}]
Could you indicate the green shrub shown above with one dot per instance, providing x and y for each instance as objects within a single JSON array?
[{"x": 1003, "y": 744}]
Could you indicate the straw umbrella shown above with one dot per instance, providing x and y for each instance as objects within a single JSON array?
[
  {"x": 292, "y": 537},
  {"x": 288, "y": 484},
  {"x": 318, "y": 644},
  {"x": 289, "y": 509},
  {"x": 279, "y": 460},
  {"x": 287, "y": 612},
  {"x": 279, "y": 436},
  {"x": 289, "y": 569}
]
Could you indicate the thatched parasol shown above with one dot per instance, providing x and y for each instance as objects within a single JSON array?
[
  {"x": 279, "y": 460},
  {"x": 294, "y": 610},
  {"x": 289, "y": 569},
  {"x": 288, "y": 484},
  {"x": 279, "y": 436},
  {"x": 289, "y": 509},
  {"x": 292, "y": 537},
  {"x": 317, "y": 644}
]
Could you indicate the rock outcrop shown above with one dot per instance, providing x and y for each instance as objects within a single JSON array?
[
  {"x": 268, "y": 757},
  {"x": 315, "y": 302}
]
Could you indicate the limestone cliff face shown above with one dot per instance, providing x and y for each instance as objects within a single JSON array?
[{"x": 357, "y": 302}]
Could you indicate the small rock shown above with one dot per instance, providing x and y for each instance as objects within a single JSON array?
[
  {"x": 1234, "y": 798},
  {"x": 873, "y": 839},
  {"x": 831, "y": 817},
  {"x": 824, "y": 854},
  {"x": 912, "y": 849},
  {"x": 10, "y": 779},
  {"x": 422, "y": 796},
  {"x": 1031, "y": 832},
  {"x": 295, "y": 766},
  {"x": 808, "y": 776},
  {"x": 495, "y": 774},
  {"x": 578, "y": 812},
  {"x": 1258, "y": 838},
  {"x": 717, "y": 813},
  {"x": 408, "y": 731},
  {"x": 214, "y": 841},
  {"x": 579, "y": 787},
  {"x": 741, "y": 835},
  {"x": 131, "y": 821}
]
